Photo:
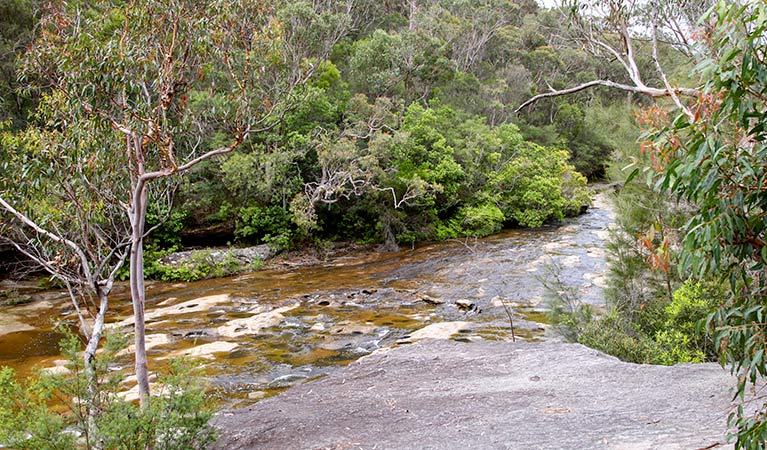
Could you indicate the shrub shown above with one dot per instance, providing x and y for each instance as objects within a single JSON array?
[
  {"x": 266, "y": 224},
  {"x": 471, "y": 221},
  {"x": 167, "y": 234},
  {"x": 175, "y": 419},
  {"x": 676, "y": 347},
  {"x": 690, "y": 307},
  {"x": 481, "y": 220},
  {"x": 670, "y": 334},
  {"x": 657, "y": 332},
  {"x": 201, "y": 265},
  {"x": 611, "y": 334},
  {"x": 538, "y": 186},
  {"x": 26, "y": 421},
  {"x": 63, "y": 412},
  {"x": 567, "y": 313}
]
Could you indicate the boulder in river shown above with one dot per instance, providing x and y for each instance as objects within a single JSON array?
[
  {"x": 255, "y": 323},
  {"x": 466, "y": 305},
  {"x": 430, "y": 300},
  {"x": 448, "y": 395},
  {"x": 215, "y": 262}
]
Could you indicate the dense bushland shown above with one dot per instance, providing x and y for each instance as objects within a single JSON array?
[
  {"x": 408, "y": 131},
  {"x": 407, "y": 135}
]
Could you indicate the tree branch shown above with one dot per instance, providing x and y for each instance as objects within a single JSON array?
[
  {"x": 644, "y": 90},
  {"x": 662, "y": 73},
  {"x": 54, "y": 237}
]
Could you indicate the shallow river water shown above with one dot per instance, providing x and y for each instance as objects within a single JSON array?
[{"x": 261, "y": 332}]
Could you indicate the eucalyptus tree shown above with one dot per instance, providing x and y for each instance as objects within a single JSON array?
[
  {"x": 712, "y": 154},
  {"x": 476, "y": 24},
  {"x": 176, "y": 83},
  {"x": 17, "y": 20}
]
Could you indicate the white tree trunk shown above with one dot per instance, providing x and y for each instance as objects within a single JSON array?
[
  {"x": 89, "y": 360},
  {"x": 138, "y": 218}
]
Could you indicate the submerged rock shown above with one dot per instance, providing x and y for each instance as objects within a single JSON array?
[
  {"x": 318, "y": 327},
  {"x": 13, "y": 298},
  {"x": 466, "y": 305},
  {"x": 150, "y": 341},
  {"x": 430, "y": 300},
  {"x": 168, "y": 309},
  {"x": 12, "y": 324},
  {"x": 257, "y": 395},
  {"x": 254, "y": 324},
  {"x": 287, "y": 380},
  {"x": 205, "y": 351},
  {"x": 447, "y": 395},
  {"x": 58, "y": 368}
]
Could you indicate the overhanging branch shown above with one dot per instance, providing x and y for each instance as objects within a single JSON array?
[
  {"x": 648, "y": 91},
  {"x": 52, "y": 236}
]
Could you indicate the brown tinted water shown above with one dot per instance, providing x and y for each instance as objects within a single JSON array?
[{"x": 308, "y": 321}]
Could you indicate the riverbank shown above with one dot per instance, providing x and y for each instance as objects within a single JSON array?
[
  {"x": 200, "y": 263},
  {"x": 447, "y": 395}
]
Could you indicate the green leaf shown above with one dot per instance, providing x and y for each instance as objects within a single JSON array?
[{"x": 631, "y": 176}]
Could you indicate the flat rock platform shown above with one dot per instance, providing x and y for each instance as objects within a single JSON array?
[{"x": 448, "y": 395}]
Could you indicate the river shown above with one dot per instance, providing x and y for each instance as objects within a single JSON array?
[{"x": 262, "y": 332}]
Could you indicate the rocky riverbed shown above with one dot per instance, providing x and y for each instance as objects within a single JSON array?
[{"x": 259, "y": 333}]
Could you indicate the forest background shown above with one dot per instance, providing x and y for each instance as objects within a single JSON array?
[{"x": 408, "y": 134}]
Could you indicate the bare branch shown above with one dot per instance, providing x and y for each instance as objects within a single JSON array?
[
  {"x": 644, "y": 90},
  {"x": 52, "y": 236},
  {"x": 86, "y": 330},
  {"x": 615, "y": 18},
  {"x": 42, "y": 262},
  {"x": 410, "y": 193},
  {"x": 662, "y": 73}
]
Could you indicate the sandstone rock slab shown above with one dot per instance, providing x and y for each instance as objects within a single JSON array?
[
  {"x": 449, "y": 395},
  {"x": 439, "y": 330},
  {"x": 254, "y": 324}
]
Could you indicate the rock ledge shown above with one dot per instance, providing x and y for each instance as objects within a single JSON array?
[{"x": 491, "y": 395}]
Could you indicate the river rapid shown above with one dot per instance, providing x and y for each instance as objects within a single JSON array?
[{"x": 262, "y": 332}]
